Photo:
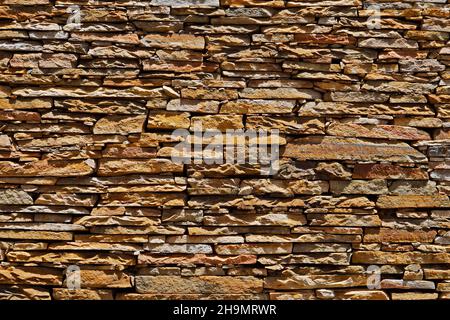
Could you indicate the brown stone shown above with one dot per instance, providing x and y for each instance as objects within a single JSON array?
[
  {"x": 132, "y": 166},
  {"x": 81, "y": 294},
  {"x": 379, "y": 257},
  {"x": 42, "y": 168},
  {"x": 401, "y": 236},
  {"x": 203, "y": 284},
  {"x": 413, "y": 201},
  {"x": 119, "y": 125},
  {"x": 387, "y": 171},
  {"x": 296, "y": 282},
  {"x": 332, "y": 148},
  {"x": 30, "y": 275}
]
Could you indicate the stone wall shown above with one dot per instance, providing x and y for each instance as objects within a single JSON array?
[{"x": 90, "y": 92}]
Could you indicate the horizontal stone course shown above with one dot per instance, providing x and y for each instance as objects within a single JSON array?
[{"x": 90, "y": 190}]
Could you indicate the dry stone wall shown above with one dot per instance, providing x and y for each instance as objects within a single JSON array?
[{"x": 90, "y": 92}]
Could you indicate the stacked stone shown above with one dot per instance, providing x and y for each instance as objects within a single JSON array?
[{"x": 90, "y": 92}]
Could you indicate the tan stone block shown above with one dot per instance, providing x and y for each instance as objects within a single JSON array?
[
  {"x": 376, "y": 186},
  {"x": 396, "y": 235},
  {"x": 250, "y": 248},
  {"x": 388, "y": 171},
  {"x": 414, "y": 296},
  {"x": 377, "y": 132},
  {"x": 200, "y": 259},
  {"x": 81, "y": 294},
  {"x": 379, "y": 257},
  {"x": 42, "y": 168},
  {"x": 296, "y": 282},
  {"x": 119, "y": 125},
  {"x": 70, "y": 257},
  {"x": 413, "y": 201},
  {"x": 104, "y": 279},
  {"x": 143, "y": 199},
  {"x": 175, "y": 41},
  {"x": 256, "y": 220},
  {"x": 168, "y": 120},
  {"x": 361, "y": 295},
  {"x": 132, "y": 166},
  {"x": 202, "y": 284},
  {"x": 30, "y": 275},
  {"x": 333, "y": 148},
  {"x": 336, "y": 259},
  {"x": 344, "y": 220},
  {"x": 190, "y": 296},
  {"x": 35, "y": 235}
]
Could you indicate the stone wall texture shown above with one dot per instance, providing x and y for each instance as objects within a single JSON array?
[{"x": 90, "y": 92}]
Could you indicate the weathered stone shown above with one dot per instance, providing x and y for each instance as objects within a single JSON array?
[
  {"x": 394, "y": 235},
  {"x": 178, "y": 248},
  {"x": 379, "y": 257},
  {"x": 310, "y": 258},
  {"x": 201, "y": 259},
  {"x": 282, "y": 187},
  {"x": 399, "y": 86},
  {"x": 355, "y": 115},
  {"x": 373, "y": 97},
  {"x": 11, "y": 196},
  {"x": 413, "y": 187},
  {"x": 319, "y": 237},
  {"x": 344, "y": 220},
  {"x": 331, "y": 148},
  {"x": 344, "y": 108},
  {"x": 233, "y": 249},
  {"x": 66, "y": 199},
  {"x": 251, "y": 106},
  {"x": 388, "y": 43},
  {"x": 30, "y": 275},
  {"x": 44, "y": 168},
  {"x": 12, "y": 292},
  {"x": 70, "y": 257},
  {"x": 201, "y": 106},
  {"x": 130, "y": 166},
  {"x": 175, "y": 41},
  {"x": 334, "y": 170},
  {"x": 296, "y": 282},
  {"x": 77, "y": 92},
  {"x": 359, "y": 187},
  {"x": 361, "y": 295},
  {"x": 216, "y": 122},
  {"x": 119, "y": 125},
  {"x": 379, "y": 132},
  {"x": 203, "y": 284},
  {"x": 414, "y": 296},
  {"x": 190, "y": 296},
  {"x": 205, "y": 239},
  {"x": 168, "y": 120},
  {"x": 435, "y": 273},
  {"x": 143, "y": 199},
  {"x": 280, "y": 93},
  {"x": 424, "y": 65},
  {"x": 81, "y": 294},
  {"x": 413, "y": 201},
  {"x": 104, "y": 279},
  {"x": 291, "y": 125},
  {"x": 256, "y": 220},
  {"x": 387, "y": 171}
]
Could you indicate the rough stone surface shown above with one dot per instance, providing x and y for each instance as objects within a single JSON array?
[{"x": 87, "y": 178}]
